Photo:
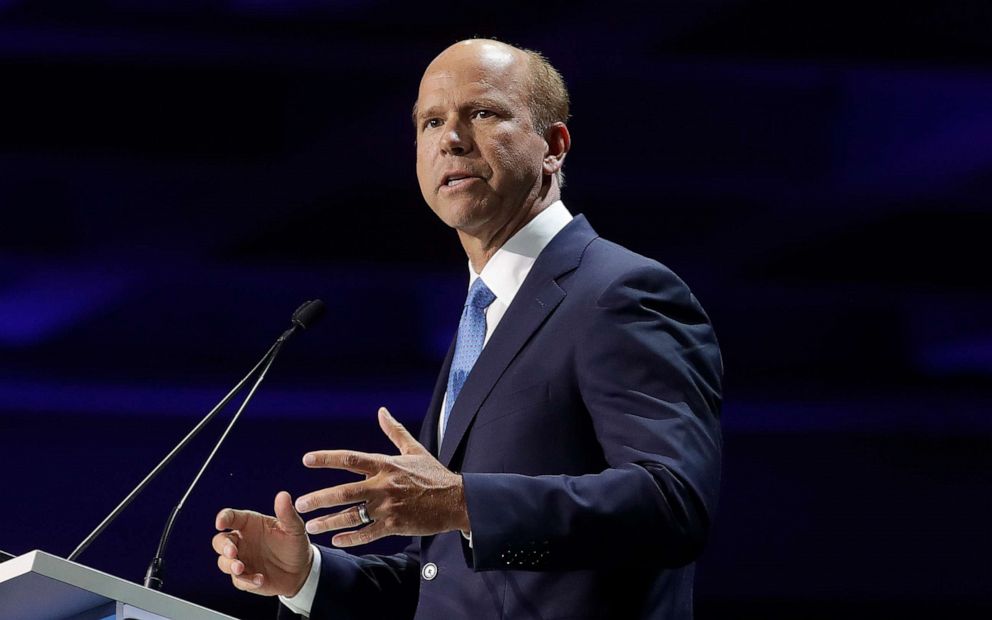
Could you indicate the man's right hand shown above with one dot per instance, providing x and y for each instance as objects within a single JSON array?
[{"x": 262, "y": 554}]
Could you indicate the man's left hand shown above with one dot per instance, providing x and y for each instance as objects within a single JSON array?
[{"x": 409, "y": 494}]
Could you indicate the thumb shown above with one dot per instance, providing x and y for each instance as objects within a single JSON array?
[
  {"x": 289, "y": 519},
  {"x": 398, "y": 434}
]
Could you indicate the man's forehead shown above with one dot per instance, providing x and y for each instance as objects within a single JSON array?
[
  {"x": 486, "y": 64},
  {"x": 490, "y": 55},
  {"x": 444, "y": 85}
]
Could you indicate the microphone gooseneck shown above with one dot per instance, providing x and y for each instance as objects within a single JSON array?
[
  {"x": 305, "y": 316},
  {"x": 164, "y": 462},
  {"x": 153, "y": 576}
]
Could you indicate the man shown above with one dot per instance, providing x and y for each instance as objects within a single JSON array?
[{"x": 568, "y": 465}]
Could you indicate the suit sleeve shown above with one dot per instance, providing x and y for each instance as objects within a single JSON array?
[
  {"x": 354, "y": 587},
  {"x": 649, "y": 371}
]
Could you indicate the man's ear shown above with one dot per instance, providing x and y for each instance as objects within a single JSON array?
[{"x": 559, "y": 142}]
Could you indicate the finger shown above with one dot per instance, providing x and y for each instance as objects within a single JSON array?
[
  {"x": 248, "y": 583},
  {"x": 345, "y": 519},
  {"x": 229, "y": 566},
  {"x": 349, "y": 493},
  {"x": 230, "y": 519},
  {"x": 289, "y": 519},
  {"x": 350, "y": 460},
  {"x": 398, "y": 434},
  {"x": 361, "y": 537},
  {"x": 226, "y": 544}
]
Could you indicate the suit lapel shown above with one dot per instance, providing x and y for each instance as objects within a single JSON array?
[{"x": 537, "y": 298}]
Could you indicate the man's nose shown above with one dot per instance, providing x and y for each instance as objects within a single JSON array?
[{"x": 456, "y": 140}]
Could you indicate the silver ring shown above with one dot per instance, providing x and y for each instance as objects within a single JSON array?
[{"x": 363, "y": 514}]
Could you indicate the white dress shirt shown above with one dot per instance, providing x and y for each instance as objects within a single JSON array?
[
  {"x": 508, "y": 268},
  {"x": 503, "y": 274}
]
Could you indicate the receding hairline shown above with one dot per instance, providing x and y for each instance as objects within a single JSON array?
[{"x": 535, "y": 63}]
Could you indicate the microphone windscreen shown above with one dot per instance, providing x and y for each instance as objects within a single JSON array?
[{"x": 309, "y": 313}]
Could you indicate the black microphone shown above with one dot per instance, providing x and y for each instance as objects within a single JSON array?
[
  {"x": 305, "y": 316},
  {"x": 308, "y": 314}
]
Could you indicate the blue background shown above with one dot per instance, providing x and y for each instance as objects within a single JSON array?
[{"x": 176, "y": 177}]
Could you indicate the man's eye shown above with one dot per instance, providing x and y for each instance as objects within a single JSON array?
[
  {"x": 484, "y": 113},
  {"x": 432, "y": 123}
]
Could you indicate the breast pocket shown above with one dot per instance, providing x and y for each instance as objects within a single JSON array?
[{"x": 531, "y": 398}]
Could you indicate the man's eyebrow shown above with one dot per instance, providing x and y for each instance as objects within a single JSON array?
[
  {"x": 425, "y": 113},
  {"x": 486, "y": 102},
  {"x": 435, "y": 110}
]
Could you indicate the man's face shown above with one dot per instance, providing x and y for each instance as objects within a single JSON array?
[{"x": 479, "y": 160}]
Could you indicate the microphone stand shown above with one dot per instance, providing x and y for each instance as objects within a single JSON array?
[
  {"x": 170, "y": 456},
  {"x": 305, "y": 316},
  {"x": 153, "y": 576}
]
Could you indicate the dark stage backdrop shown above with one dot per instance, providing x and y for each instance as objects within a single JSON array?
[{"x": 176, "y": 177}]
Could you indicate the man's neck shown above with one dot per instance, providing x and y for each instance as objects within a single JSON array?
[{"x": 481, "y": 247}]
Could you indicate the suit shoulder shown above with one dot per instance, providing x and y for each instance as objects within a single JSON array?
[
  {"x": 614, "y": 277},
  {"x": 607, "y": 264}
]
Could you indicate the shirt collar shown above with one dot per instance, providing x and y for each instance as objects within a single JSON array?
[{"x": 506, "y": 270}]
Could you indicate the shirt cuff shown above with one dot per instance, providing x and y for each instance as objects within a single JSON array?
[{"x": 303, "y": 601}]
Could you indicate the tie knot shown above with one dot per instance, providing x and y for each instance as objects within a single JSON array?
[{"x": 479, "y": 295}]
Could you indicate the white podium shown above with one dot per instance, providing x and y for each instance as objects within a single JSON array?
[{"x": 40, "y": 586}]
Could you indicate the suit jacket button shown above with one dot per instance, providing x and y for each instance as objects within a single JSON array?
[{"x": 430, "y": 571}]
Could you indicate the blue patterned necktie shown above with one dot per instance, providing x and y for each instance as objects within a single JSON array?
[{"x": 468, "y": 345}]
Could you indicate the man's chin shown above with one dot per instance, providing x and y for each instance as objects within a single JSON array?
[{"x": 462, "y": 217}]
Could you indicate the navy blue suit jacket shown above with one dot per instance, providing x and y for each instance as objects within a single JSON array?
[{"x": 588, "y": 438}]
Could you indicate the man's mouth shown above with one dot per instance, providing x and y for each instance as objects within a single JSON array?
[
  {"x": 457, "y": 178},
  {"x": 453, "y": 181}
]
